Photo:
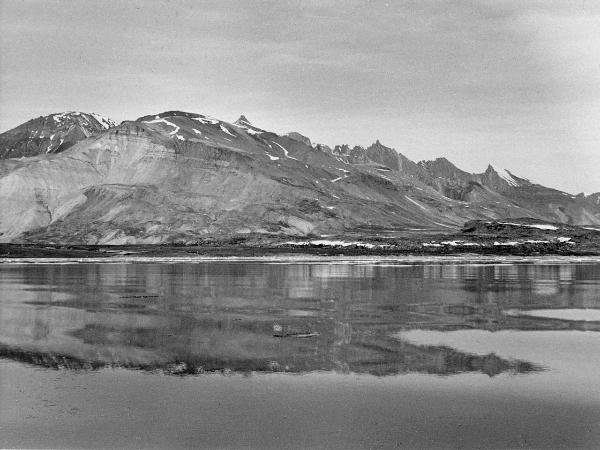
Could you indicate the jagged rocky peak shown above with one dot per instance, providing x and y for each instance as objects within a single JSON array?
[
  {"x": 384, "y": 155},
  {"x": 299, "y": 137},
  {"x": 439, "y": 165},
  {"x": 323, "y": 148},
  {"x": 377, "y": 144},
  {"x": 242, "y": 120},
  {"x": 343, "y": 149}
]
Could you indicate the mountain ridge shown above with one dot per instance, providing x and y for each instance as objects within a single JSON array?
[{"x": 176, "y": 177}]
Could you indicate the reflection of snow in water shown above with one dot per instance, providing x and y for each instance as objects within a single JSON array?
[
  {"x": 571, "y": 358},
  {"x": 587, "y": 314}
]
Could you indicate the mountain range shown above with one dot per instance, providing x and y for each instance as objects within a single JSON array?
[{"x": 179, "y": 177}]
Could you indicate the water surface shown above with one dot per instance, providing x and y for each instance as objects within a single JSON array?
[{"x": 300, "y": 354}]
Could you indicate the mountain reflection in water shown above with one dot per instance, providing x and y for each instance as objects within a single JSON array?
[{"x": 220, "y": 316}]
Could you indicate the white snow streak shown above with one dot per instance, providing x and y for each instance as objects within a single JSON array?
[
  {"x": 104, "y": 121},
  {"x": 532, "y": 225},
  {"x": 166, "y": 122},
  {"x": 416, "y": 203},
  {"x": 223, "y": 128},
  {"x": 250, "y": 129},
  {"x": 333, "y": 243},
  {"x": 503, "y": 173},
  {"x": 206, "y": 120},
  {"x": 285, "y": 152}
]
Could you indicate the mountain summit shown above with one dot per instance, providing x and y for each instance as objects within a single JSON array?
[
  {"x": 180, "y": 177},
  {"x": 51, "y": 134},
  {"x": 243, "y": 122}
]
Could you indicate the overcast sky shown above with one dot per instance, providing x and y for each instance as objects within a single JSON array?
[{"x": 512, "y": 83}]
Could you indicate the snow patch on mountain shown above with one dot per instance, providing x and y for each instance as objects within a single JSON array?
[
  {"x": 506, "y": 176},
  {"x": 166, "y": 122},
  {"x": 207, "y": 120},
  {"x": 539, "y": 226},
  {"x": 415, "y": 202},
  {"x": 285, "y": 152},
  {"x": 334, "y": 243},
  {"x": 104, "y": 121},
  {"x": 224, "y": 129}
]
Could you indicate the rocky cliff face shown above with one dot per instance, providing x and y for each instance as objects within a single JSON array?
[{"x": 181, "y": 177}]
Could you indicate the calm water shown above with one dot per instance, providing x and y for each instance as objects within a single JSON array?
[{"x": 300, "y": 355}]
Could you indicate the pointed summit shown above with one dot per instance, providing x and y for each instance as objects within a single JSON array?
[
  {"x": 501, "y": 174},
  {"x": 244, "y": 123},
  {"x": 243, "y": 120}
]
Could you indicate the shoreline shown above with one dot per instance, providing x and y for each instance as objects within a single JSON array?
[{"x": 465, "y": 258}]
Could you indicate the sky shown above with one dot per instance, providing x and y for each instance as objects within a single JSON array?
[{"x": 514, "y": 83}]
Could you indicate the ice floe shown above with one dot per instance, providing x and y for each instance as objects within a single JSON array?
[{"x": 573, "y": 314}]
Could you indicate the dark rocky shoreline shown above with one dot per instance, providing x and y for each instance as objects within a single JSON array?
[{"x": 525, "y": 238}]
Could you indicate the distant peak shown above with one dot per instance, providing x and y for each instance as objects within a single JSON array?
[
  {"x": 244, "y": 123},
  {"x": 490, "y": 169},
  {"x": 242, "y": 120}
]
